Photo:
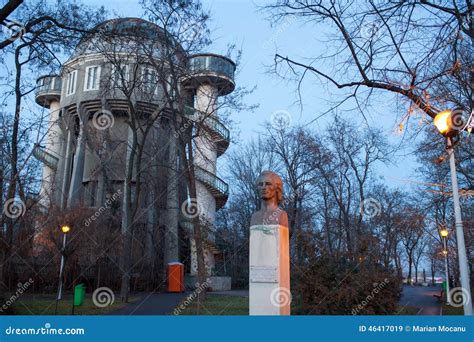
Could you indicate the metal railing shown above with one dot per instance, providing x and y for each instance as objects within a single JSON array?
[
  {"x": 211, "y": 180},
  {"x": 209, "y": 121},
  {"x": 47, "y": 158},
  {"x": 48, "y": 84},
  {"x": 212, "y": 63}
]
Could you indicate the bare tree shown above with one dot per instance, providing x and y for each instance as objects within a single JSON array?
[
  {"x": 419, "y": 254},
  {"x": 408, "y": 48},
  {"x": 245, "y": 165},
  {"x": 411, "y": 232},
  {"x": 40, "y": 34}
]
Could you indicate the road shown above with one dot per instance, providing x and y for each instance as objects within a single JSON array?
[{"x": 422, "y": 298}]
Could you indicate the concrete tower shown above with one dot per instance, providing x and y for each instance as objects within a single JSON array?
[
  {"x": 48, "y": 95},
  {"x": 210, "y": 76},
  {"x": 75, "y": 171}
]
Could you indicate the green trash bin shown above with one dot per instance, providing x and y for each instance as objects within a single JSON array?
[{"x": 79, "y": 294}]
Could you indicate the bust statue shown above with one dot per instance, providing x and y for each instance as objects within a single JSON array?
[
  {"x": 270, "y": 189},
  {"x": 269, "y": 251}
]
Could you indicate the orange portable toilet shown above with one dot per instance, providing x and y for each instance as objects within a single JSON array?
[{"x": 175, "y": 277}]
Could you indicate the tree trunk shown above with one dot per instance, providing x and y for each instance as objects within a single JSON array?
[
  {"x": 410, "y": 263},
  {"x": 127, "y": 217},
  {"x": 171, "y": 252},
  {"x": 13, "y": 173},
  {"x": 189, "y": 166}
]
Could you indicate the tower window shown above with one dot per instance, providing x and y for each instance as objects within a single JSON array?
[
  {"x": 71, "y": 83},
  {"x": 92, "y": 78},
  {"x": 150, "y": 80},
  {"x": 120, "y": 75},
  {"x": 90, "y": 194}
]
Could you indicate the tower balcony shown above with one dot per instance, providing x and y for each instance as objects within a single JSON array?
[
  {"x": 216, "y": 186},
  {"x": 218, "y": 132},
  {"x": 45, "y": 157},
  {"x": 48, "y": 88},
  {"x": 211, "y": 69}
]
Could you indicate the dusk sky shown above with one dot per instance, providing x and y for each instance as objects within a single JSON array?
[
  {"x": 241, "y": 22},
  {"x": 343, "y": 189}
]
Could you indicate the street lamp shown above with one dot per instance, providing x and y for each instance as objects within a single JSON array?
[
  {"x": 65, "y": 229},
  {"x": 444, "y": 234},
  {"x": 449, "y": 124}
]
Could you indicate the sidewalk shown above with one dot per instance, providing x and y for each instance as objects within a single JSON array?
[
  {"x": 422, "y": 298},
  {"x": 153, "y": 304}
]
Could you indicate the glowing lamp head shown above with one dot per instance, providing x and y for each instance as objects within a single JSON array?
[
  {"x": 449, "y": 122},
  {"x": 444, "y": 233},
  {"x": 65, "y": 229},
  {"x": 445, "y": 252},
  {"x": 441, "y": 121}
]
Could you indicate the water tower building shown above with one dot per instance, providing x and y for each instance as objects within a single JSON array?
[{"x": 85, "y": 151}]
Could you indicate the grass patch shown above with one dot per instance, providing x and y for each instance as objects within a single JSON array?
[
  {"x": 219, "y": 305},
  {"x": 407, "y": 311},
  {"x": 449, "y": 310},
  {"x": 41, "y": 304},
  {"x": 216, "y": 305}
]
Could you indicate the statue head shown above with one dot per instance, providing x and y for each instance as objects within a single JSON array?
[{"x": 270, "y": 186}]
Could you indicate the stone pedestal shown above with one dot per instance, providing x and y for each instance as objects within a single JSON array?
[{"x": 269, "y": 288}]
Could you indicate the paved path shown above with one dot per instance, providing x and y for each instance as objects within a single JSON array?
[
  {"x": 422, "y": 298},
  {"x": 153, "y": 304}
]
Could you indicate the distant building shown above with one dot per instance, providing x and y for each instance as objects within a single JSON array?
[{"x": 75, "y": 171}]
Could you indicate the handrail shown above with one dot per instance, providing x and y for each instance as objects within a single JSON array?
[
  {"x": 211, "y": 179},
  {"x": 48, "y": 84},
  {"x": 47, "y": 158},
  {"x": 212, "y": 63},
  {"x": 208, "y": 120}
]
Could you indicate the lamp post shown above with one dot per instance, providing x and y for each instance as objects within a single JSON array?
[
  {"x": 65, "y": 229},
  {"x": 447, "y": 124},
  {"x": 444, "y": 234}
]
